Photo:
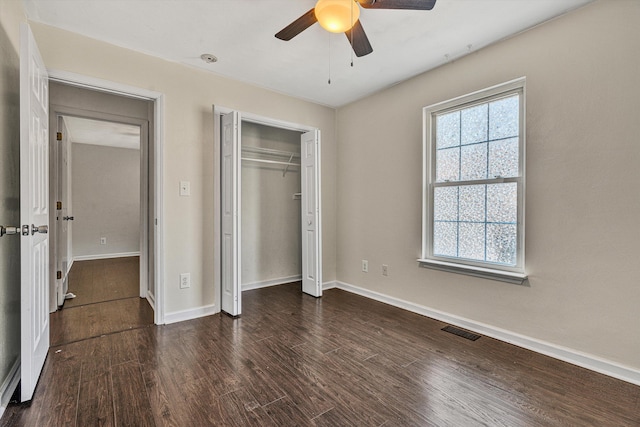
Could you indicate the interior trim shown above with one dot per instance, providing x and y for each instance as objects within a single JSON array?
[
  {"x": 158, "y": 98},
  {"x": 190, "y": 314},
  {"x": 9, "y": 386}
]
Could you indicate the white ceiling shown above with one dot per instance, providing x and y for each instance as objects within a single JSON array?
[
  {"x": 241, "y": 34},
  {"x": 98, "y": 132}
]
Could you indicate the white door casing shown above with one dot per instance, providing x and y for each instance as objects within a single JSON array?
[
  {"x": 311, "y": 225},
  {"x": 230, "y": 206},
  {"x": 34, "y": 212}
]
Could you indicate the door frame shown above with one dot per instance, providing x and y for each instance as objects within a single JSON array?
[
  {"x": 78, "y": 80},
  {"x": 57, "y": 112},
  {"x": 217, "y": 208}
]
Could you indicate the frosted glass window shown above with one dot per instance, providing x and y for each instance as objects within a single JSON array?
[
  {"x": 471, "y": 241},
  {"x": 502, "y": 202},
  {"x": 448, "y": 165},
  {"x": 473, "y": 124},
  {"x": 473, "y": 162},
  {"x": 445, "y": 204},
  {"x": 472, "y": 202},
  {"x": 501, "y": 243},
  {"x": 448, "y": 128},
  {"x": 503, "y": 158},
  {"x": 445, "y": 238},
  {"x": 504, "y": 118},
  {"x": 475, "y": 204}
]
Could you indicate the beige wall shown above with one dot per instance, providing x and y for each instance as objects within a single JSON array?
[
  {"x": 189, "y": 147},
  {"x": 105, "y": 186},
  {"x": 271, "y": 218},
  {"x": 11, "y": 14},
  {"x": 582, "y": 200}
]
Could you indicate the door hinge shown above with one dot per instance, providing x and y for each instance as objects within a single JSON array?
[
  {"x": 58, "y": 206},
  {"x": 58, "y": 274},
  {"x": 58, "y": 136}
]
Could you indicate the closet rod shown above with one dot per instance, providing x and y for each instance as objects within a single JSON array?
[
  {"x": 275, "y": 162},
  {"x": 268, "y": 151}
]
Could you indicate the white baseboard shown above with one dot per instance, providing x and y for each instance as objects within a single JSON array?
[
  {"x": 104, "y": 256},
  {"x": 575, "y": 357},
  {"x": 329, "y": 285},
  {"x": 9, "y": 386},
  {"x": 272, "y": 282},
  {"x": 192, "y": 313}
]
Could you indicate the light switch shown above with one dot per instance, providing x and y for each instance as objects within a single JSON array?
[{"x": 185, "y": 188}]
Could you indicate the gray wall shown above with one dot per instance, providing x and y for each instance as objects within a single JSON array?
[
  {"x": 10, "y": 16},
  {"x": 582, "y": 200},
  {"x": 271, "y": 235},
  {"x": 105, "y": 187}
]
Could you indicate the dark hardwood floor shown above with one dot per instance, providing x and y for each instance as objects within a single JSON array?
[
  {"x": 107, "y": 301},
  {"x": 103, "y": 280},
  {"x": 293, "y": 360}
]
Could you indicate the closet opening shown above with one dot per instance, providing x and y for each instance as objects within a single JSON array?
[
  {"x": 269, "y": 206},
  {"x": 271, "y": 238}
]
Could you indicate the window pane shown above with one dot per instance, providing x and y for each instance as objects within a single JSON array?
[
  {"x": 472, "y": 203},
  {"x": 503, "y": 118},
  {"x": 503, "y": 158},
  {"x": 501, "y": 243},
  {"x": 473, "y": 162},
  {"x": 471, "y": 241},
  {"x": 445, "y": 238},
  {"x": 445, "y": 204},
  {"x": 448, "y": 130},
  {"x": 448, "y": 164},
  {"x": 473, "y": 124},
  {"x": 502, "y": 202}
]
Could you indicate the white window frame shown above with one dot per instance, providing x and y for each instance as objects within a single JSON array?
[{"x": 512, "y": 274}]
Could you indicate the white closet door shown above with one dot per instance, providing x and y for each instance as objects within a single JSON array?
[
  {"x": 311, "y": 226},
  {"x": 230, "y": 251}
]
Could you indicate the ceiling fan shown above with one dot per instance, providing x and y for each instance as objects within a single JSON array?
[{"x": 341, "y": 16}]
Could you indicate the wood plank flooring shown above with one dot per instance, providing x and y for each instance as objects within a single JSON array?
[
  {"x": 293, "y": 360},
  {"x": 103, "y": 280},
  {"x": 107, "y": 301}
]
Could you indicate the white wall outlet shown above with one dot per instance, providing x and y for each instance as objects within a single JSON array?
[
  {"x": 385, "y": 270},
  {"x": 365, "y": 266},
  {"x": 185, "y": 188},
  {"x": 103, "y": 240},
  {"x": 185, "y": 280}
]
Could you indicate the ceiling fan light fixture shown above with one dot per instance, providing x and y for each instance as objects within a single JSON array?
[{"x": 337, "y": 16}]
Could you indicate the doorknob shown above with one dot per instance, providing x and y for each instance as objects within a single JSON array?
[
  {"x": 42, "y": 229},
  {"x": 8, "y": 230},
  {"x": 67, "y": 218}
]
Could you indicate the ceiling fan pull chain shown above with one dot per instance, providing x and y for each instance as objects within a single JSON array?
[{"x": 329, "y": 82}]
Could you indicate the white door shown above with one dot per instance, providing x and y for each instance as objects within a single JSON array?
[
  {"x": 63, "y": 215},
  {"x": 34, "y": 212},
  {"x": 230, "y": 207},
  {"x": 311, "y": 226}
]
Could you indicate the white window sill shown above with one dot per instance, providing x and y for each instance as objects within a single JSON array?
[{"x": 485, "y": 273}]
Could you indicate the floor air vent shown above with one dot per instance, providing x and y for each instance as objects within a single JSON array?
[{"x": 461, "y": 333}]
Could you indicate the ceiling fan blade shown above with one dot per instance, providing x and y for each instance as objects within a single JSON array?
[
  {"x": 297, "y": 26},
  {"x": 398, "y": 4},
  {"x": 358, "y": 39}
]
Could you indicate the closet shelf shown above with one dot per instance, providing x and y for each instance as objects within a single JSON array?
[{"x": 271, "y": 156}]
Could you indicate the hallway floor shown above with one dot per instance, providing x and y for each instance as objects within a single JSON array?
[{"x": 107, "y": 301}]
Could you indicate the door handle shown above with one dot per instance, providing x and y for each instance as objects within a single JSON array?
[
  {"x": 42, "y": 229},
  {"x": 67, "y": 218},
  {"x": 9, "y": 230}
]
